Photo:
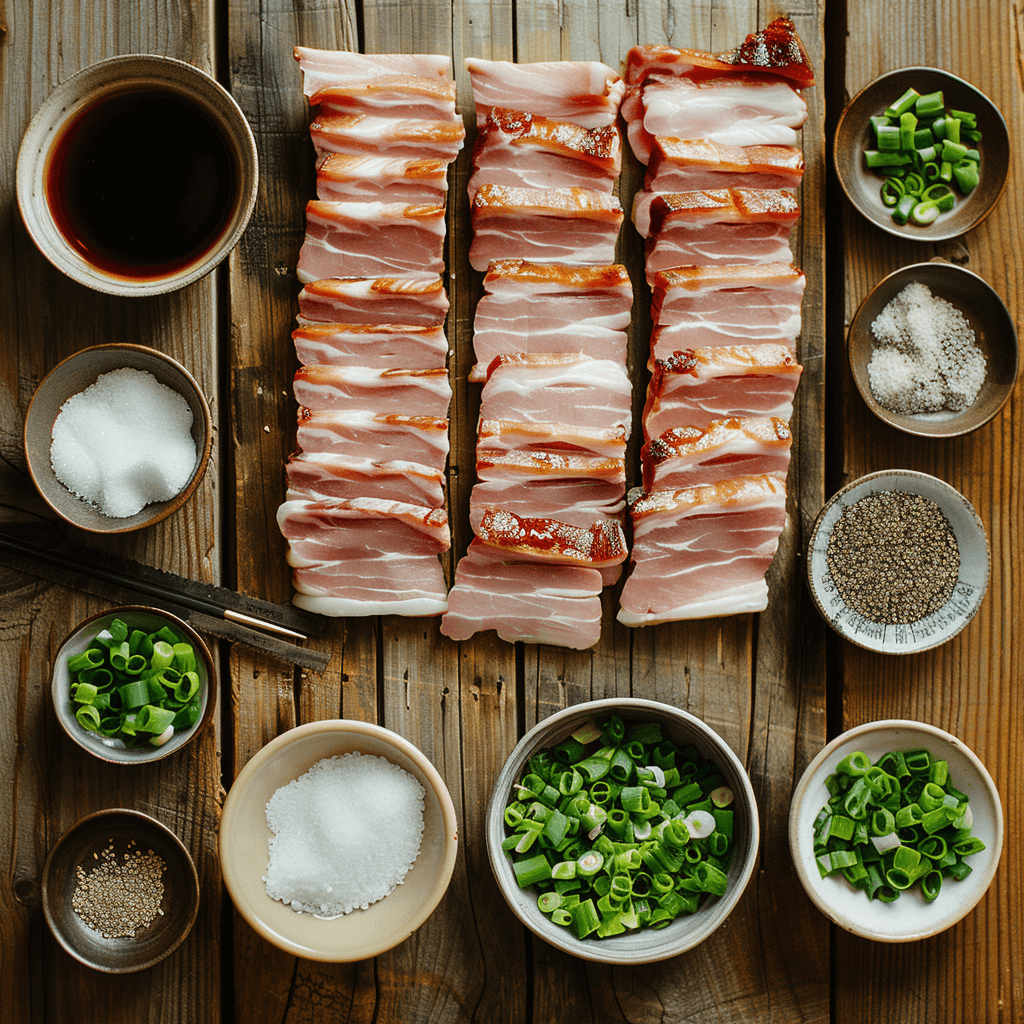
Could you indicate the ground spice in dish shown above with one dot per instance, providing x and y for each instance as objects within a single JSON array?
[
  {"x": 117, "y": 898},
  {"x": 893, "y": 557}
]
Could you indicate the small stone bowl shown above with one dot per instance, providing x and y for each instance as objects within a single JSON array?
[
  {"x": 935, "y": 629},
  {"x": 994, "y": 332},
  {"x": 74, "y": 375},
  {"x": 149, "y": 620},
  {"x": 83, "y": 846},
  {"x": 58, "y": 114},
  {"x": 863, "y": 186}
]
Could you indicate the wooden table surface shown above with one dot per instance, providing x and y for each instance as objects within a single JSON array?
[{"x": 775, "y": 686}]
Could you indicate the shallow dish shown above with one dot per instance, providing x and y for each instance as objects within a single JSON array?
[
  {"x": 646, "y": 945},
  {"x": 149, "y": 620},
  {"x": 80, "y": 846},
  {"x": 909, "y": 917},
  {"x": 994, "y": 332},
  {"x": 861, "y": 185},
  {"x": 244, "y": 839},
  {"x": 936, "y": 629},
  {"x": 74, "y": 375}
]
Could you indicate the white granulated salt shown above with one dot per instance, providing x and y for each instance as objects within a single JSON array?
[
  {"x": 124, "y": 442},
  {"x": 925, "y": 359},
  {"x": 345, "y": 834}
]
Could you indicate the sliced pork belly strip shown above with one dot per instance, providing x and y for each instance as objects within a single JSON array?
[
  {"x": 679, "y": 165},
  {"x": 525, "y": 600},
  {"x": 703, "y": 551},
  {"x": 405, "y": 392},
  {"x": 380, "y": 346},
  {"x": 410, "y": 96},
  {"x": 417, "y": 299},
  {"x": 587, "y": 93},
  {"x": 329, "y": 477},
  {"x": 550, "y": 540},
  {"x": 655, "y": 214},
  {"x": 368, "y": 587},
  {"x": 344, "y": 177},
  {"x": 543, "y": 225},
  {"x": 363, "y": 239},
  {"x": 546, "y": 388},
  {"x": 322, "y": 68},
  {"x": 361, "y": 434},
  {"x": 690, "y": 456},
  {"x": 516, "y": 148},
  {"x": 515, "y": 436},
  {"x": 598, "y": 342},
  {"x": 692, "y": 388},
  {"x": 577, "y": 501},
  {"x": 382, "y": 135}
]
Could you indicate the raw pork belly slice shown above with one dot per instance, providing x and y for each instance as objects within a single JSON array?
[
  {"x": 693, "y": 388},
  {"x": 700, "y": 307},
  {"x": 417, "y": 299},
  {"x": 703, "y": 551},
  {"x": 365, "y": 556},
  {"x": 324, "y": 68},
  {"x": 432, "y": 99},
  {"x": 533, "y": 307},
  {"x": 366, "y": 239},
  {"x": 516, "y": 148},
  {"x": 345, "y": 178},
  {"x": 361, "y": 434},
  {"x": 549, "y": 540},
  {"x": 511, "y": 436},
  {"x": 679, "y": 165},
  {"x": 689, "y": 456},
  {"x": 587, "y": 93},
  {"x": 544, "y": 225},
  {"x": 381, "y": 135},
  {"x": 406, "y": 392},
  {"x": 329, "y": 477},
  {"x": 536, "y": 602},
  {"x": 542, "y": 388},
  {"x": 379, "y": 345}
]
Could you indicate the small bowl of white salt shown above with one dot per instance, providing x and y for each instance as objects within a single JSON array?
[
  {"x": 117, "y": 437},
  {"x": 933, "y": 350}
]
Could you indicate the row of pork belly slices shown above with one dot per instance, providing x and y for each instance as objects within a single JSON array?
[
  {"x": 364, "y": 515},
  {"x": 718, "y": 135},
  {"x": 550, "y": 348}
]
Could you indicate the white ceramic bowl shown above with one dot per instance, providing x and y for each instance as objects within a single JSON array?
[
  {"x": 244, "y": 849},
  {"x": 936, "y": 629},
  {"x": 909, "y": 917},
  {"x": 646, "y": 945}
]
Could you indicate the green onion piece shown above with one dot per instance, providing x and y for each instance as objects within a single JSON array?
[
  {"x": 971, "y": 136},
  {"x": 908, "y": 125},
  {"x": 952, "y": 130},
  {"x": 903, "y": 104},
  {"x": 966, "y": 847},
  {"x": 931, "y": 883},
  {"x": 929, "y": 105},
  {"x": 903, "y": 209},
  {"x": 924, "y": 214},
  {"x": 854, "y": 764},
  {"x": 923, "y": 138},
  {"x": 163, "y": 655},
  {"x": 966, "y": 175},
  {"x": 88, "y": 717},
  {"x": 953, "y": 152},
  {"x": 585, "y": 918},
  {"x": 89, "y": 659},
  {"x": 134, "y": 695},
  {"x": 966, "y": 118},
  {"x": 879, "y": 158},
  {"x": 548, "y": 902},
  {"x": 531, "y": 870},
  {"x": 888, "y": 138},
  {"x": 153, "y": 719}
]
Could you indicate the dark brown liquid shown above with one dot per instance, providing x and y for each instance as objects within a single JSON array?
[{"x": 142, "y": 183}]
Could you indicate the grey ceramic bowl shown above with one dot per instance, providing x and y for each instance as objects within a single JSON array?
[
  {"x": 645, "y": 945},
  {"x": 74, "y": 375},
  {"x": 83, "y": 846},
  {"x": 64, "y": 106},
  {"x": 149, "y": 620}
]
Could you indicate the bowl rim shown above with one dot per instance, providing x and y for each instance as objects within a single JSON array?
[
  {"x": 908, "y": 423},
  {"x": 927, "y": 234},
  {"x": 604, "y": 950},
  {"x": 169, "y": 836},
  {"x": 355, "y": 727},
  {"x": 243, "y": 145},
  {"x": 155, "y": 753},
  {"x": 801, "y": 791},
  {"x": 164, "y": 508}
]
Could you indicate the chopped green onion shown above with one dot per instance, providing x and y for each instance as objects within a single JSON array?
[{"x": 903, "y": 104}]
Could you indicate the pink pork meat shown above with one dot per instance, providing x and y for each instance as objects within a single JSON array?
[
  {"x": 411, "y": 96},
  {"x": 690, "y": 389},
  {"x": 380, "y": 345},
  {"x": 329, "y": 477},
  {"x": 345, "y": 178},
  {"x": 702, "y": 552},
  {"x": 361, "y": 434},
  {"x": 600, "y": 546},
  {"x": 536, "y": 602},
  {"x": 323, "y": 68},
  {"x": 679, "y": 165},
  {"x": 365, "y": 556},
  {"x": 535, "y": 307},
  {"x": 364, "y": 239},
  {"x": 405, "y": 392},
  {"x": 386, "y": 135},
  {"x": 587, "y": 93},
  {"x": 565, "y": 438},
  {"x": 690, "y": 456},
  {"x": 544, "y": 225},
  {"x": 418, "y": 299}
]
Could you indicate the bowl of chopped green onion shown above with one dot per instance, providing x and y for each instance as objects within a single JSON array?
[
  {"x": 922, "y": 154},
  {"x": 896, "y": 828},
  {"x": 133, "y": 684},
  {"x": 622, "y": 831}
]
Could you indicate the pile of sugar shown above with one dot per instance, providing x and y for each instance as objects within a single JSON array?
[
  {"x": 926, "y": 359},
  {"x": 124, "y": 442},
  {"x": 345, "y": 834}
]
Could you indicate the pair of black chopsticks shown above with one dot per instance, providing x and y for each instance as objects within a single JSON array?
[{"x": 270, "y": 628}]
